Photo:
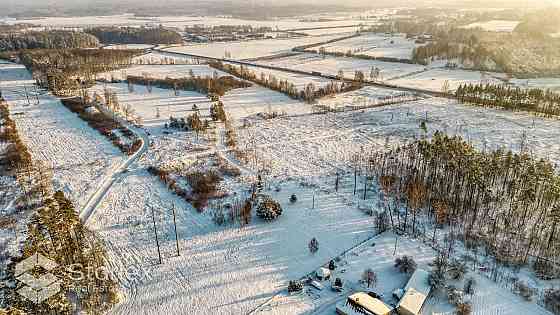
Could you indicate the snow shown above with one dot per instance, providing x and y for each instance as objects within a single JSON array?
[
  {"x": 299, "y": 80},
  {"x": 331, "y": 65},
  {"x": 163, "y": 71},
  {"x": 375, "y": 45},
  {"x": 78, "y": 155},
  {"x": 342, "y": 31},
  {"x": 129, "y": 46},
  {"x": 249, "y": 49},
  {"x": 495, "y": 26},
  {"x": 434, "y": 79},
  {"x": 552, "y": 84}
]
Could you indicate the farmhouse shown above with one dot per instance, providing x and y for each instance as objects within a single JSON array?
[
  {"x": 362, "y": 304},
  {"x": 416, "y": 292}
]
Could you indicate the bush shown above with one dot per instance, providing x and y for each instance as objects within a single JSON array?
[
  {"x": 464, "y": 308},
  {"x": 524, "y": 290},
  {"x": 552, "y": 300},
  {"x": 469, "y": 286},
  {"x": 454, "y": 296},
  {"x": 369, "y": 277},
  {"x": 457, "y": 270},
  {"x": 405, "y": 264},
  {"x": 295, "y": 286},
  {"x": 332, "y": 265},
  {"x": 313, "y": 245},
  {"x": 293, "y": 198},
  {"x": 267, "y": 208},
  {"x": 437, "y": 279}
]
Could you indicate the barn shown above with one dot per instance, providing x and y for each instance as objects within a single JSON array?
[
  {"x": 362, "y": 304},
  {"x": 416, "y": 292}
]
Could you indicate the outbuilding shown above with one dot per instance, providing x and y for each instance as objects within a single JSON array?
[
  {"x": 415, "y": 293},
  {"x": 323, "y": 274},
  {"x": 362, "y": 304}
]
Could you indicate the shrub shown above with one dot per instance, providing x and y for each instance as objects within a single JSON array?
[
  {"x": 454, "y": 296},
  {"x": 437, "y": 279},
  {"x": 552, "y": 300},
  {"x": 524, "y": 290},
  {"x": 313, "y": 245},
  {"x": 293, "y": 198},
  {"x": 295, "y": 286},
  {"x": 369, "y": 277},
  {"x": 267, "y": 208},
  {"x": 464, "y": 308},
  {"x": 457, "y": 270},
  {"x": 469, "y": 286},
  {"x": 405, "y": 264},
  {"x": 332, "y": 265}
]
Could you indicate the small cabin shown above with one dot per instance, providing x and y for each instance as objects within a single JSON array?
[
  {"x": 323, "y": 274},
  {"x": 362, "y": 304}
]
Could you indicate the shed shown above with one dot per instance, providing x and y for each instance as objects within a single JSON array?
[
  {"x": 416, "y": 292},
  {"x": 323, "y": 274},
  {"x": 361, "y": 303}
]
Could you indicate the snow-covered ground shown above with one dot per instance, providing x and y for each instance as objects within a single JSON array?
[
  {"x": 332, "y": 65},
  {"x": 163, "y": 71},
  {"x": 374, "y": 45},
  {"x": 129, "y": 46},
  {"x": 78, "y": 155},
  {"x": 495, "y": 25},
  {"x": 552, "y": 84},
  {"x": 317, "y": 145},
  {"x": 331, "y": 31},
  {"x": 249, "y": 49},
  {"x": 299, "y": 80},
  {"x": 435, "y": 79}
]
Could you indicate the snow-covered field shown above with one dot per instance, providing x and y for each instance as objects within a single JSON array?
[
  {"x": 434, "y": 79},
  {"x": 249, "y": 49},
  {"x": 332, "y": 65},
  {"x": 375, "y": 45},
  {"x": 495, "y": 25},
  {"x": 317, "y": 145},
  {"x": 79, "y": 156},
  {"x": 162, "y": 71},
  {"x": 331, "y": 31},
  {"x": 129, "y": 46},
  {"x": 299, "y": 80},
  {"x": 552, "y": 84}
]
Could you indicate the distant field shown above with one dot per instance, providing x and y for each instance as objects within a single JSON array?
[
  {"x": 249, "y": 49},
  {"x": 495, "y": 26},
  {"x": 374, "y": 45}
]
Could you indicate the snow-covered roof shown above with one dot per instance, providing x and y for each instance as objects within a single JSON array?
[
  {"x": 416, "y": 291},
  {"x": 419, "y": 281},
  {"x": 323, "y": 272},
  {"x": 373, "y": 305},
  {"x": 411, "y": 303}
]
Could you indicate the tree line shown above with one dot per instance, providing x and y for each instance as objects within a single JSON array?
[
  {"x": 47, "y": 40},
  {"x": 310, "y": 93},
  {"x": 135, "y": 35},
  {"x": 539, "y": 101},
  {"x": 505, "y": 203}
]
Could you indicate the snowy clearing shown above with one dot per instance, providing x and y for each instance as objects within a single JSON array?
[
  {"x": 495, "y": 26},
  {"x": 434, "y": 79}
]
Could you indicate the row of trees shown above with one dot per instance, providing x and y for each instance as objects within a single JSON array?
[
  {"x": 206, "y": 85},
  {"x": 309, "y": 94},
  {"x": 505, "y": 203},
  {"x": 511, "y": 98},
  {"x": 135, "y": 35},
  {"x": 47, "y": 40}
]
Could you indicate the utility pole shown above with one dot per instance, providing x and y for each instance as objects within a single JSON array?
[
  {"x": 355, "y": 180},
  {"x": 155, "y": 232},
  {"x": 176, "y": 235},
  {"x": 365, "y": 186}
]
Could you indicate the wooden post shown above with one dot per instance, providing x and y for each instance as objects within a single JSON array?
[
  {"x": 313, "y": 207},
  {"x": 155, "y": 232},
  {"x": 175, "y": 225},
  {"x": 336, "y": 183},
  {"x": 365, "y": 187},
  {"x": 355, "y": 180}
]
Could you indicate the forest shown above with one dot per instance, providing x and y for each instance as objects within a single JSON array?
[
  {"x": 537, "y": 101},
  {"x": 47, "y": 40},
  {"x": 504, "y": 204},
  {"x": 134, "y": 35},
  {"x": 63, "y": 71}
]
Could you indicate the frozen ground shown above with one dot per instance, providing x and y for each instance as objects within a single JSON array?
[
  {"x": 375, "y": 45},
  {"x": 317, "y": 145},
  {"x": 299, "y": 80},
  {"x": 540, "y": 83},
  {"x": 332, "y": 65},
  {"x": 129, "y": 46},
  {"x": 434, "y": 79},
  {"x": 163, "y": 71},
  {"x": 78, "y": 155},
  {"x": 249, "y": 49},
  {"x": 342, "y": 31},
  {"x": 495, "y": 25}
]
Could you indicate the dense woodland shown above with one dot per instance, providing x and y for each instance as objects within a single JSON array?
[
  {"x": 134, "y": 35},
  {"x": 500, "y": 202},
  {"x": 510, "y": 98},
  {"x": 64, "y": 71},
  {"x": 47, "y": 40},
  {"x": 309, "y": 94}
]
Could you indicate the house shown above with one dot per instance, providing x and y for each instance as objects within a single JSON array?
[
  {"x": 323, "y": 274},
  {"x": 362, "y": 304},
  {"x": 416, "y": 292}
]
